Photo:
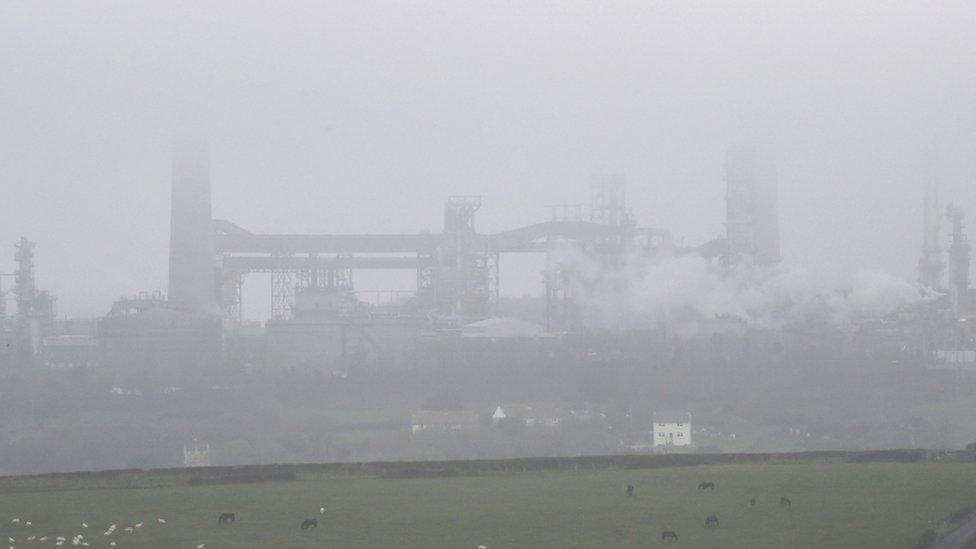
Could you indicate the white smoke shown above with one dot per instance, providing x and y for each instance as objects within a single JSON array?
[{"x": 664, "y": 287}]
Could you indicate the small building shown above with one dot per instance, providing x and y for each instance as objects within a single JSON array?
[
  {"x": 532, "y": 415},
  {"x": 672, "y": 429},
  {"x": 444, "y": 421}
]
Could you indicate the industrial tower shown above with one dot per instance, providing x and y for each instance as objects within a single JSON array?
[
  {"x": 192, "y": 261},
  {"x": 752, "y": 208}
]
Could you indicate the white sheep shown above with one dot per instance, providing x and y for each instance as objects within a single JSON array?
[
  {"x": 130, "y": 529},
  {"x": 42, "y": 538},
  {"x": 31, "y": 538},
  {"x": 321, "y": 510},
  {"x": 28, "y": 523},
  {"x": 15, "y": 521},
  {"x": 482, "y": 547},
  {"x": 84, "y": 525},
  {"x": 112, "y": 544},
  {"x": 139, "y": 525},
  {"x": 161, "y": 521},
  {"x": 201, "y": 546}
]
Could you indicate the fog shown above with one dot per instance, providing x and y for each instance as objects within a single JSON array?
[
  {"x": 319, "y": 115},
  {"x": 363, "y": 118}
]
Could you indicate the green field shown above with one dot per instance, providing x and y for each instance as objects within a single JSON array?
[{"x": 835, "y": 504}]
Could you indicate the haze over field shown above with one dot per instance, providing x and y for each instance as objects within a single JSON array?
[{"x": 360, "y": 117}]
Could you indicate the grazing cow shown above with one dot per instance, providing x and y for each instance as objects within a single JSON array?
[
  {"x": 309, "y": 523},
  {"x": 669, "y": 535},
  {"x": 226, "y": 517},
  {"x": 630, "y": 489},
  {"x": 711, "y": 521},
  {"x": 706, "y": 485},
  {"x": 785, "y": 501},
  {"x": 752, "y": 502}
]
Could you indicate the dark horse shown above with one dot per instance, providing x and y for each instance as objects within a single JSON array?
[
  {"x": 785, "y": 501},
  {"x": 669, "y": 534},
  {"x": 752, "y": 502},
  {"x": 630, "y": 489},
  {"x": 706, "y": 485},
  {"x": 309, "y": 523},
  {"x": 226, "y": 517},
  {"x": 711, "y": 521}
]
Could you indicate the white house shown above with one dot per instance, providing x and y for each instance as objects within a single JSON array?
[
  {"x": 540, "y": 415},
  {"x": 672, "y": 429}
]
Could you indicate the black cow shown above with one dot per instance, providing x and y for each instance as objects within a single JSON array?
[
  {"x": 630, "y": 489},
  {"x": 309, "y": 523},
  {"x": 669, "y": 534},
  {"x": 226, "y": 517},
  {"x": 752, "y": 502},
  {"x": 785, "y": 501},
  {"x": 706, "y": 485},
  {"x": 711, "y": 521}
]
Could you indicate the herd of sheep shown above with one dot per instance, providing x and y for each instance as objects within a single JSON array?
[{"x": 79, "y": 539}]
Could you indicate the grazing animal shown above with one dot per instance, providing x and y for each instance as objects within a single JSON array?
[
  {"x": 321, "y": 510},
  {"x": 226, "y": 517},
  {"x": 482, "y": 547},
  {"x": 706, "y": 485},
  {"x": 785, "y": 501},
  {"x": 711, "y": 521},
  {"x": 630, "y": 489},
  {"x": 309, "y": 523},
  {"x": 669, "y": 534},
  {"x": 752, "y": 502},
  {"x": 161, "y": 521}
]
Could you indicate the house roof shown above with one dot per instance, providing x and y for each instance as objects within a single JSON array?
[
  {"x": 672, "y": 416},
  {"x": 528, "y": 411}
]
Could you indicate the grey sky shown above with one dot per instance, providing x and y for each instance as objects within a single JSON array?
[{"x": 363, "y": 117}]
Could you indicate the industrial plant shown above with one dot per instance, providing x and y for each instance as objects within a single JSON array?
[
  {"x": 615, "y": 339},
  {"x": 318, "y": 319}
]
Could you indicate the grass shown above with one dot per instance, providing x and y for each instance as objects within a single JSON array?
[{"x": 834, "y": 505}]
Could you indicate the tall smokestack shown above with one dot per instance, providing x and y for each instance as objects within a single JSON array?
[
  {"x": 931, "y": 266},
  {"x": 192, "y": 278},
  {"x": 752, "y": 208}
]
